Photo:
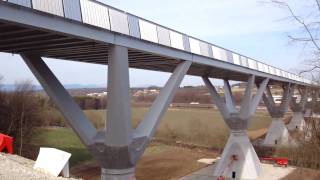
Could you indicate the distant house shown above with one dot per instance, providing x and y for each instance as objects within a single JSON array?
[
  {"x": 194, "y": 103},
  {"x": 102, "y": 94},
  {"x": 145, "y": 92}
]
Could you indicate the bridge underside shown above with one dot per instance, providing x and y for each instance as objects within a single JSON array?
[
  {"x": 118, "y": 147},
  {"x": 19, "y": 39}
]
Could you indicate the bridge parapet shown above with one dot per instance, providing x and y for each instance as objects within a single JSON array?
[{"x": 102, "y": 16}]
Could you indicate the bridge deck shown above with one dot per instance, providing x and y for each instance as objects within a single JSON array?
[{"x": 58, "y": 31}]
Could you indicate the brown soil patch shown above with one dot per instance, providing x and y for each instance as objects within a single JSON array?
[
  {"x": 256, "y": 134},
  {"x": 169, "y": 163},
  {"x": 305, "y": 174}
]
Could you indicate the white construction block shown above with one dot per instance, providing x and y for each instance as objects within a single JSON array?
[
  {"x": 53, "y": 161},
  {"x": 239, "y": 160},
  {"x": 277, "y": 133},
  {"x": 297, "y": 122}
]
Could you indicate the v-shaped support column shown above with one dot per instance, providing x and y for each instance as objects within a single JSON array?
[
  {"x": 64, "y": 102},
  {"x": 297, "y": 122},
  {"x": 119, "y": 147},
  {"x": 277, "y": 133},
  {"x": 238, "y": 157}
]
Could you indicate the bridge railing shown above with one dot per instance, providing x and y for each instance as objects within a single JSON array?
[{"x": 97, "y": 14}]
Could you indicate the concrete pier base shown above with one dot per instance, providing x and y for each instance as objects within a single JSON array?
[
  {"x": 297, "y": 122},
  {"x": 124, "y": 174},
  {"x": 277, "y": 134},
  {"x": 308, "y": 113},
  {"x": 239, "y": 160}
]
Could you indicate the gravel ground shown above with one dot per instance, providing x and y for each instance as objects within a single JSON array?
[{"x": 13, "y": 167}]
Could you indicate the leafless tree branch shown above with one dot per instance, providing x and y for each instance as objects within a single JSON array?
[
  {"x": 299, "y": 20},
  {"x": 318, "y": 4}
]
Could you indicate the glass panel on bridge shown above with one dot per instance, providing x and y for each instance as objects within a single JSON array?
[
  {"x": 95, "y": 14},
  {"x": 195, "y": 46},
  {"x": 244, "y": 61},
  {"x": 271, "y": 70},
  {"x": 266, "y": 68},
  {"x": 260, "y": 66},
  {"x": 118, "y": 21},
  {"x": 204, "y": 49},
  {"x": 148, "y": 31},
  {"x": 252, "y": 64},
  {"x": 236, "y": 58},
  {"x": 50, "y": 6},
  {"x": 277, "y": 72},
  {"x": 163, "y": 36},
  {"x": 219, "y": 53},
  {"x": 176, "y": 40}
]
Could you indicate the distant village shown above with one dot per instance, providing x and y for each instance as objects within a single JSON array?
[{"x": 193, "y": 95}]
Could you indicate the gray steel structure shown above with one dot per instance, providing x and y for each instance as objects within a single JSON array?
[{"x": 92, "y": 32}]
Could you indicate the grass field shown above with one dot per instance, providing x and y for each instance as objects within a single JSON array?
[
  {"x": 190, "y": 125},
  {"x": 203, "y": 127},
  {"x": 64, "y": 139}
]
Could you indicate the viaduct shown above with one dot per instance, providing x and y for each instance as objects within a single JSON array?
[{"x": 92, "y": 32}]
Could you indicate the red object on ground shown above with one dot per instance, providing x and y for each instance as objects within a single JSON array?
[
  {"x": 278, "y": 161},
  {"x": 6, "y": 142}
]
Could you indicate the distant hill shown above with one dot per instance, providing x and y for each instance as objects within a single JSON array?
[{"x": 11, "y": 87}]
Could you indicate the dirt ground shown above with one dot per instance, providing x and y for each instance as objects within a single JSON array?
[
  {"x": 167, "y": 162},
  {"x": 255, "y": 134},
  {"x": 303, "y": 174}
]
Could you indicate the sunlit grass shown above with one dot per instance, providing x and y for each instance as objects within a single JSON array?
[{"x": 203, "y": 127}]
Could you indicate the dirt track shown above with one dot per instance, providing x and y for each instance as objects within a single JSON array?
[{"x": 170, "y": 163}]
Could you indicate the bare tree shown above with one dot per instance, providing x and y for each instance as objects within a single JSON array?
[
  {"x": 308, "y": 34},
  {"x": 20, "y": 113},
  {"x": 308, "y": 23}
]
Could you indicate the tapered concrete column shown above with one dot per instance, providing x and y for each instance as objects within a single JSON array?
[
  {"x": 277, "y": 133},
  {"x": 308, "y": 109},
  {"x": 297, "y": 122},
  {"x": 239, "y": 159},
  {"x": 119, "y": 147},
  {"x": 311, "y": 104},
  {"x": 316, "y": 109}
]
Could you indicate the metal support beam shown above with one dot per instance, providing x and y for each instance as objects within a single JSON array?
[
  {"x": 277, "y": 132},
  {"x": 117, "y": 149},
  {"x": 248, "y": 165},
  {"x": 67, "y": 106},
  {"x": 151, "y": 120},
  {"x": 298, "y": 108},
  {"x": 222, "y": 107},
  {"x": 230, "y": 102},
  {"x": 118, "y": 125},
  {"x": 249, "y": 103},
  {"x": 278, "y": 111}
]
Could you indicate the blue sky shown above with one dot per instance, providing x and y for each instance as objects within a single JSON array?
[{"x": 250, "y": 27}]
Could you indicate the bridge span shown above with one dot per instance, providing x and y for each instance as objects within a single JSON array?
[{"x": 92, "y": 32}]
